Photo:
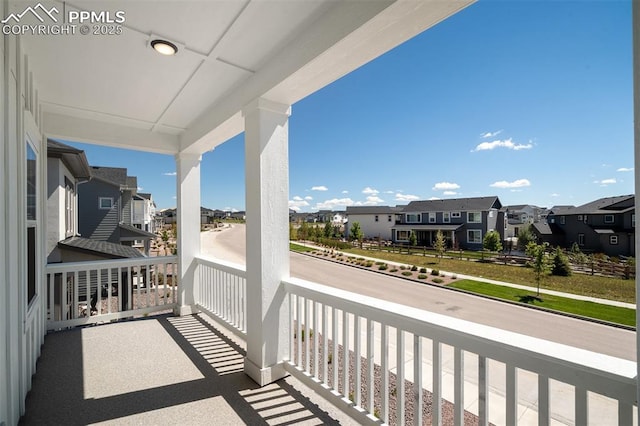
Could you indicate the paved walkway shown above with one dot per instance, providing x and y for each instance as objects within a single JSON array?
[{"x": 496, "y": 282}]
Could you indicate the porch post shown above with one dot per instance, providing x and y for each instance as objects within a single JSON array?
[
  {"x": 635, "y": 21},
  {"x": 267, "y": 195},
  {"x": 188, "y": 228}
]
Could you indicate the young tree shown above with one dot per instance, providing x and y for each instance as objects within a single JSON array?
[
  {"x": 561, "y": 266},
  {"x": 413, "y": 239},
  {"x": 303, "y": 231},
  {"x": 355, "y": 234},
  {"x": 439, "y": 244},
  {"x": 525, "y": 236},
  {"x": 293, "y": 234},
  {"x": 328, "y": 230},
  {"x": 492, "y": 241},
  {"x": 539, "y": 262}
]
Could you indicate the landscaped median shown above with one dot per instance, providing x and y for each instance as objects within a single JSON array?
[{"x": 403, "y": 268}]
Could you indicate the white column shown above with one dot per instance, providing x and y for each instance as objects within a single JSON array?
[
  {"x": 635, "y": 21},
  {"x": 188, "y": 228},
  {"x": 267, "y": 195}
]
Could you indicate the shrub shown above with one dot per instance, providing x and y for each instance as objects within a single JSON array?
[
  {"x": 435, "y": 272},
  {"x": 423, "y": 270},
  {"x": 379, "y": 263},
  {"x": 368, "y": 264},
  {"x": 407, "y": 273},
  {"x": 414, "y": 268},
  {"x": 394, "y": 270},
  {"x": 561, "y": 265},
  {"x": 438, "y": 280},
  {"x": 383, "y": 267},
  {"x": 454, "y": 276},
  {"x": 422, "y": 277},
  {"x": 403, "y": 267}
]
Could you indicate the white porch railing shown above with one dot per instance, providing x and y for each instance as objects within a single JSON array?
[
  {"x": 80, "y": 293},
  {"x": 352, "y": 348},
  {"x": 221, "y": 292}
]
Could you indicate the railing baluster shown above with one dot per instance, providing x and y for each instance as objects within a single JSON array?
[
  {"x": 109, "y": 290},
  {"x": 120, "y": 294},
  {"x": 357, "y": 362},
  {"x": 306, "y": 336},
  {"x": 371, "y": 386},
  {"x": 543, "y": 400},
  {"x": 63, "y": 298},
  {"x": 52, "y": 288},
  {"x": 625, "y": 413},
  {"x": 325, "y": 345},
  {"x": 76, "y": 297},
  {"x": 99, "y": 290},
  {"x": 458, "y": 386},
  {"x": 436, "y": 410},
  {"x": 334, "y": 362},
  {"x": 147, "y": 278},
  {"x": 130, "y": 288},
  {"x": 299, "y": 332},
  {"x": 582, "y": 406},
  {"x": 417, "y": 380},
  {"x": 483, "y": 395},
  {"x": 384, "y": 367},
  {"x": 292, "y": 298},
  {"x": 345, "y": 353},
  {"x": 400, "y": 403},
  {"x": 164, "y": 285},
  {"x": 511, "y": 394},
  {"x": 316, "y": 353}
]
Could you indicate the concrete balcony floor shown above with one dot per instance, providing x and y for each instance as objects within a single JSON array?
[{"x": 161, "y": 370}]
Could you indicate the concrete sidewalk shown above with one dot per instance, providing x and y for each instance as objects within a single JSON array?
[{"x": 496, "y": 282}]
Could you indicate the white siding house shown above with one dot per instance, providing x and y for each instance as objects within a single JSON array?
[{"x": 375, "y": 221}]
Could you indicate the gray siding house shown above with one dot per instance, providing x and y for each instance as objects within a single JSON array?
[
  {"x": 606, "y": 225},
  {"x": 463, "y": 221},
  {"x": 104, "y": 205}
]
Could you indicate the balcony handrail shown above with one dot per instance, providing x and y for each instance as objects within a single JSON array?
[
  {"x": 223, "y": 265},
  {"x": 109, "y": 263},
  {"x": 575, "y": 366}
]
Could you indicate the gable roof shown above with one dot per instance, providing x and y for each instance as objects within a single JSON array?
[
  {"x": 113, "y": 175},
  {"x": 135, "y": 232},
  {"x": 607, "y": 205},
  {"x": 355, "y": 210},
  {"x": 97, "y": 247},
  {"x": 454, "y": 204},
  {"x": 73, "y": 158}
]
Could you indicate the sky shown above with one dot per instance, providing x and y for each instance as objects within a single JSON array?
[{"x": 530, "y": 101}]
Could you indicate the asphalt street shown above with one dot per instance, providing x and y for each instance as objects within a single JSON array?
[{"x": 229, "y": 244}]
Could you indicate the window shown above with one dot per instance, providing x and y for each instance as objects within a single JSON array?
[
  {"x": 474, "y": 236},
  {"x": 32, "y": 198},
  {"x": 633, "y": 220},
  {"x": 31, "y": 183},
  {"x": 455, "y": 215},
  {"x": 613, "y": 240},
  {"x": 376, "y": 218},
  {"x": 562, "y": 220},
  {"x": 389, "y": 218},
  {"x": 585, "y": 218},
  {"x": 105, "y": 203},
  {"x": 474, "y": 217},
  {"x": 403, "y": 236},
  {"x": 579, "y": 218},
  {"x": 446, "y": 217},
  {"x": 432, "y": 217},
  {"x": 608, "y": 218},
  {"x": 69, "y": 207},
  {"x": 413, "y": 218},
  {"x": 580, "y": 239}
]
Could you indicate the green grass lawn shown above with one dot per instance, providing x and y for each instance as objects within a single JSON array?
[
  {"x": 300, "y": 248},
  {"x": 586, "y": 285},
  {"x": 587, "y": 309}
]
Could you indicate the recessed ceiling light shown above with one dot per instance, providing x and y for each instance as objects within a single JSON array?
[{"x": 164, "y": 47}]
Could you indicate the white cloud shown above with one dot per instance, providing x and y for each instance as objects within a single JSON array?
[
  {"x": 308, "y": 198},
  {"x": 389, "y": 192},
  {"x": 444, "y": 186},
  {"x": 230, "y": 209},
  {"x": 297, "y": 203},
  {"x": 433, "y": 198},
  {"x": 345, "y": 192},
  {"x": 490, "y": 134},
  {"x": 406, "y": 197},
  {"x": 320, "y": 188},
  {"x": 507, "y": 143},
  {"x": 520, "y": 183},
  {"x": 335, "y": 202},
  {"x": 370, "y": 191},
  {"x": 555, "y": 195},
  {"x": 373, "y": 200},
  {"x": 449, "y": 193},
  {"x": 625, "y": 169},
  {"x": 170, "y": 173},
  {"x": 605, "y": 182},
  {"x": 140, "y": 188}
]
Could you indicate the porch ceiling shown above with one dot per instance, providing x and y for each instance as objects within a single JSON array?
[{"x": 115, "y": 90}]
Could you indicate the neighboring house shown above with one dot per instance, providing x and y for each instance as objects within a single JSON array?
[
  {"x": 168, "y": 216},
  {"x": 463, "y": 221},
  {"x": 606, "y": 225},
  {"x": 67, "y": 167},
  {"x": 143, "y": 212},
  {"x": 105, "y": 208},
  {"x": 518, "y": 217},
  {"x": 375, "y": 221}
]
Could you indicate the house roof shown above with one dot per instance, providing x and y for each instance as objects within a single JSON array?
[
  {"x": 96, "y": 247},
  {"x": 132, "y": 231},
  {"x": 73, "y": 158},
  {"x": 454, "y": 204},
  {"x": 145, "y": 195},
  {"x": 421, "y": 227},
  {"x": 114, "y": 175},
  {"x": 356, "y": 210},
  {"x": 607, "y": 205}
]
